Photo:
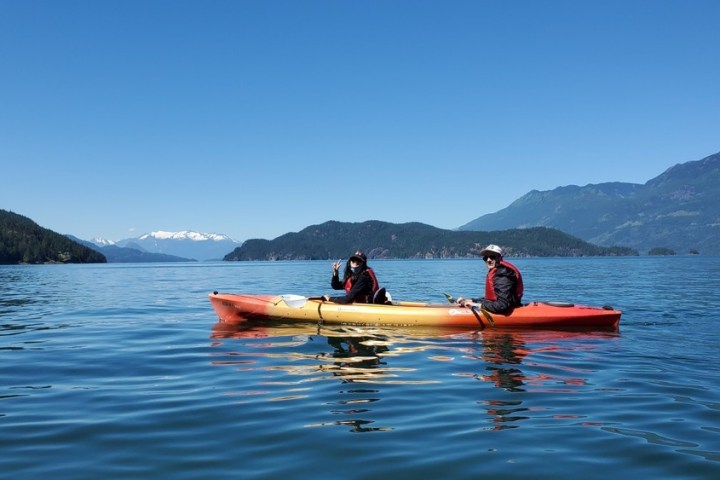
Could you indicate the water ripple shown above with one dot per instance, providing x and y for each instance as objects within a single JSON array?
[{"x": 127, "y": 368}]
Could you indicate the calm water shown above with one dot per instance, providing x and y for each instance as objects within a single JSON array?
[{"x": 123, "y": 371}]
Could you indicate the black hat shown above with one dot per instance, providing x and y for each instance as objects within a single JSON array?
[{"x": 359, "y": 255}]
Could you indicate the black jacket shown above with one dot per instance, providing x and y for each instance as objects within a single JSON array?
[
  {"x": 360, "y": 292},
  {"x": 504, "y": 285}
]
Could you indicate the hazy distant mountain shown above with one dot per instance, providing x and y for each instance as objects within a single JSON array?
[
  {"x": 679, "y": 210},
  {"x": 187, "y": 244},
  {"x": 101, "y": 242},
  {"x": 116, "y": 254}
]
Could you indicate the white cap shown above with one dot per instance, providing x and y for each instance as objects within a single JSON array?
[{"x": 491, "y": 250}]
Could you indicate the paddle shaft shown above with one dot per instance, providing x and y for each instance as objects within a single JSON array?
[
  {"x": 474, "y": 308},
  {"x": 485, "y": 313}
]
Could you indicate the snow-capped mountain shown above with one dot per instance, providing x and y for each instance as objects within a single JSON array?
[
  {"x": 187, "y": 243},
  {"x": 128, "y": 254},
  {"x": 102, "y": 242},
  {"x": 186, "y": 235}
]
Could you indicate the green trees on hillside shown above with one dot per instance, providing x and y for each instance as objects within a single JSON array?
[
  {"x": 333, "y": 240},
  {"x": 24, "y": 241},
  {"x": 661, "y": 251}
]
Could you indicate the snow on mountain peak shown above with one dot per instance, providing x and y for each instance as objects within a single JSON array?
[
  {"x": 186, "y": 235},
  {"x": 102, "y": 242}
]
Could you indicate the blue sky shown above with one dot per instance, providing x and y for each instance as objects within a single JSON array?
[{"x": 258, "y": 118}]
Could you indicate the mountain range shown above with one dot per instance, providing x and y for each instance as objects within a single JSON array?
[
  {"x": 678, "y": 210},
  {"x": 186, "y": 245},
  {"x": 129, "y": 254},
  {"x": 194, "y": 245},
  {"x": 332, "y": 240}
]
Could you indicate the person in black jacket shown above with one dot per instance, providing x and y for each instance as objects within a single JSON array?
[
  {"x": 358, "y": 281},
  {"x": 503, "y": 284}
]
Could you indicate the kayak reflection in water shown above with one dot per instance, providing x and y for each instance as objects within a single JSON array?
[
  {"x": 500, "y": 349},
  {"x": 361, "y": 357},
  {"x": 357, "y": 359}
]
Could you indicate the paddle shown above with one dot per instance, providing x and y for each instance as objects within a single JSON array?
[
  {"x": 485, "y": 313},
  {"x": 475, "y": 309}
]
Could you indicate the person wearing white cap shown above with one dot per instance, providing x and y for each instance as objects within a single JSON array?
[{"x": 503, "y": 284}]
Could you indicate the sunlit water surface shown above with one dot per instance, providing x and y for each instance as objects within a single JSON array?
[{"x": 123, "y": 371}]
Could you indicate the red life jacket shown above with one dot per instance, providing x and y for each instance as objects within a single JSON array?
[
  {"x": 376, "y": 285},
  {"x": 490, "y": 280}
]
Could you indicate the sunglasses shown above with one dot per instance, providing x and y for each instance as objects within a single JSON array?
[{"x": 490, "y": 257}]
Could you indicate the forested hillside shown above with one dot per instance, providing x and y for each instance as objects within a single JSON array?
[
  {"x": 678, "y": 210},
  {"x": 24, "y": 241},
  {"x": 333, "y": 240}
]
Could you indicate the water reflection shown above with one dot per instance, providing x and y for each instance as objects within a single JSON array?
[
  {"x": 289, "y": 360},
  {"x": 503, "y": 353},
  {"x": 354, "y": 356},
  {"x": 357, "y": 358},
  {"x": 12, "y": 296}
]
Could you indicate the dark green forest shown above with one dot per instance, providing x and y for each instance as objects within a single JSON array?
[
  {"x": 333, "y": 240},
  {"x": 24, "y": 241}
]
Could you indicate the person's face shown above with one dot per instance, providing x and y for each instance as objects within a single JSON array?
[
  {"x": 354, "y": 262},
  {"x": 491, "y": 261}
]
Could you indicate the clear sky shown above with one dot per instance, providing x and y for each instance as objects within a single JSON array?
[{"x": 258, "y": 118}]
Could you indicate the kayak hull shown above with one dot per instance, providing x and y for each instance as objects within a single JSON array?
[{"x": 235, "y": 308}]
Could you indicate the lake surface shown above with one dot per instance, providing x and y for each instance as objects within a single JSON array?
[{"x": 123, "y": 371}]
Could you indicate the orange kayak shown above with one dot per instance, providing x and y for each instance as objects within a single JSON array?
[{"x": 234, "y": 308}]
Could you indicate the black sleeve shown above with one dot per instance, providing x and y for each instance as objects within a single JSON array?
[
  {"x": 504, "y": 285},
  {"x": 362, "y": 287},
  {"x": 335, "y": 282}
]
